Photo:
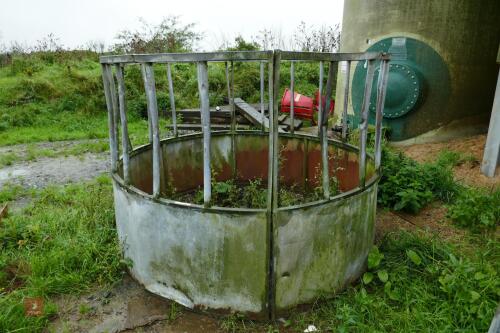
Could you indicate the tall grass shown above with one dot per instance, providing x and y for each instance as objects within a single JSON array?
[{"x": 63, "y": 243}]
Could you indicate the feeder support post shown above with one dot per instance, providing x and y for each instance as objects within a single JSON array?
[
  {"x": 379, "y": 110},
  {"x": 363, "y": 124},
  {"x": 149, "y": 85},
  {"x": 123, "y": 120},
  {"x": 205, "y": 120},
  {"x": 110, "y": 94}
]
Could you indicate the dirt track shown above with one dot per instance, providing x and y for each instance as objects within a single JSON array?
[{"x": 52, "y": 170}]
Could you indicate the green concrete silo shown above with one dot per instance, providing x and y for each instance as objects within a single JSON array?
[{"x": 443, "y": 73}]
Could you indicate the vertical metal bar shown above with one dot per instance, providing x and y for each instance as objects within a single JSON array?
[
  {"x": 491, "y": 157},
  {"x": 322, "y": 130},
  {"x": 233, "y": 109},
  {"x": 271, "y": 137},
  {"x": 150, "y": 127},
  {"x": 273, "y": 174},
  {"x": 107, "y": 77},
  {"x": 123, "y": 119},
  {"x": 205, "y": 119},
  {"x": 363, "y": 124},
  {"x": 228, "y": 82},
  {"x": 381, "y": 90},
  {"x": 346, "y": 100},
  {"x": 172, "y": 98},
  {"x": 262, "y": 94},
  {"x": 149, "y": 84},
  {"x": 320, "y": 100},
  {"x": 275, "y": 111},
  {"x": 292, "y": 95}
]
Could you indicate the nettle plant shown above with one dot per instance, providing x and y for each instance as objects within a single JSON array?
[{"x": 422, "y": 273}]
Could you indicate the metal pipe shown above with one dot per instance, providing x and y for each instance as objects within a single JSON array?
[
  {"x": 324, "y": 129},
  {"x": 271, "y": 137},
  {"x": 172, "y": 98},
  {"x": 381, "y": 90},
  {"x": 262, "y": 93},
  {"x": 323, "y": 136},
  {"x": 149, "y": 84},
  {"x": 363, "y": 124},
  {"x": 205, "y": 120},
  {"x": 228, "y": 82},
  {"x": 346, "y": 100},
  {"x": 274, "y": 129},
  {"x": 150, "y": 127},
  {"x": 233, "y": 108},
  {"x": 123, "y": 119},
  {"x": 292, "y": 95},
  {"x": 107, "y": 77},
  {"x": 239, "y": 56}
]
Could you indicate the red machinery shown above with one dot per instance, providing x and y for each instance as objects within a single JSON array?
[{"x": 303, "y": 106}]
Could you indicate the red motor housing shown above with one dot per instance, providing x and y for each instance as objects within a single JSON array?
[
  {"x": 316, "y": 102},
  {"x": 303, "y": 106}
]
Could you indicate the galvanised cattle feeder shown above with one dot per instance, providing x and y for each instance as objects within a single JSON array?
[{"x": 260, "y": 262}]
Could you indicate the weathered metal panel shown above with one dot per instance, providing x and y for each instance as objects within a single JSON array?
[
  {"x": 320, "y": 249},
  {"x": 197, "y": 258}
]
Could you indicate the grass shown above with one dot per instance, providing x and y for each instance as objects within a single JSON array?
[
  {"x": 421, "y": 284},
  {"x": 63, "y": 243}
]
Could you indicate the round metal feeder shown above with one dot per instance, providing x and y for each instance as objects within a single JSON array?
[{"x": 257, "y": 261}]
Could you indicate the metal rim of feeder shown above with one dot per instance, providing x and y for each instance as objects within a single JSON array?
[{"x": 114, "y": 88}]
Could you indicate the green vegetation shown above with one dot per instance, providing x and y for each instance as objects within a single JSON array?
[
  {"x": 63, "y": 243},
  {"x": 408, "y": 186},
  {"x": 476, "y": 209},
  {"x": 253, "y": 194},
  {"x": 415, "y": 284}
]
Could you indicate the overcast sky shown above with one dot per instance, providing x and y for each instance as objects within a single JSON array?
[{"x": 77, "y": 22}]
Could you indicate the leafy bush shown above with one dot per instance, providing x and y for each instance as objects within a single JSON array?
[
  {"x": 415, "y": 284},
  {"x": 476, "y": 209},
  {"x": 408, "y": 186}
]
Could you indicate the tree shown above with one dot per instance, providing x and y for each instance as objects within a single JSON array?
[
  {"x": 168, "y": 36},
  {"x": 322, "y": 39},
  {"x": 240, "y": 44}
]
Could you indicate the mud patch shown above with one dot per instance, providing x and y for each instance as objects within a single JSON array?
[
  {"x": 45, "y": 171},
  {"x": 126, "y": 307}
]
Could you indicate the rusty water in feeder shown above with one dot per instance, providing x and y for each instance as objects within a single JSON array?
[{"x": 258, "y": 261}]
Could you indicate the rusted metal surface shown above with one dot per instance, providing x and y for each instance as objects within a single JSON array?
[
  {"x": 216, "y": 257},
  {"x": 237, "y": 258}
]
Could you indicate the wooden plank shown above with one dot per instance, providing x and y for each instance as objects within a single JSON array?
[
  {"x": 225, "y": 111},
  {"x": 287, "y": 121},
  {"x": 282, "y": 117},
  {"x": 212, "y": 126},
  {"x": 250, "y": 113}
]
